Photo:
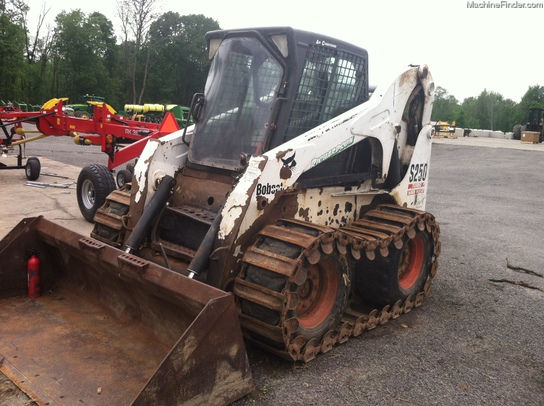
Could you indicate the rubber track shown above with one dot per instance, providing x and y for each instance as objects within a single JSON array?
[
  {"x": 109, "y": 224},
  {"x": 377, "y": 230}
]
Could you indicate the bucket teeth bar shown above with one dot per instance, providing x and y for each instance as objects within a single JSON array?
[{"x": 379, "y": 230}]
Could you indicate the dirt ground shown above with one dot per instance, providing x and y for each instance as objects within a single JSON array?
[{"x": 477, "y": 339}]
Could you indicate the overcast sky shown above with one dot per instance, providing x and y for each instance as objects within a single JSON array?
[{"x": 467, "y": 49}]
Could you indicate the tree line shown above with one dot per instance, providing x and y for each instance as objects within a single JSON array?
[
  {"x": 160, "y": 58},
  {"x": 487, "y": 111}
]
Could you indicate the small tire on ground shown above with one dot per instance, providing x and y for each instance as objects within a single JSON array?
[
  {"x": 94, "y": 184},
  {"x": 403, "y": 273},
  {"x": 33, "y": 168},
  {"x": 123, "y": 176}
]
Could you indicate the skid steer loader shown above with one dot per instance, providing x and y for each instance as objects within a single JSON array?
[{"x": 291, "y": 214}]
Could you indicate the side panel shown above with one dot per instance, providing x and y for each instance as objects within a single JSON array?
[{"x": 412, "y": 190}]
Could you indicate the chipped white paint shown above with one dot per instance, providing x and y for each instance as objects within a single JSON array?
[
  {"x": 381, "y": 118},
  {"x": 239, "y": 197},
  {"x": 160, "y": 157}
]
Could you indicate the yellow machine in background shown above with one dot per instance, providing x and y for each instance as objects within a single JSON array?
[{"x": 445, "y": 129}]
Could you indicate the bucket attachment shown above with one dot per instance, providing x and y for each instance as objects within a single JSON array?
[{"x": 111, "y": 328}]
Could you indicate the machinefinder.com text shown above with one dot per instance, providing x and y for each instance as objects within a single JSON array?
[{"x": 503, "y": 4}]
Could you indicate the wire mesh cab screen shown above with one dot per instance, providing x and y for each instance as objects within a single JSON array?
[{"x": 332, "y": 82}]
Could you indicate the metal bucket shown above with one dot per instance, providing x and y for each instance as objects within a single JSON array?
[{"x": 112, "y": 328}]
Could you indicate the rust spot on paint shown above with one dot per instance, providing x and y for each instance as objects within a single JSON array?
[
  {"x": 336, "y": 207},
  {"x": 289, "y": 162},
  {"x": 281, "y": 154},
  {"x": 348, "y": 207},
  {"x": 304, "y": 213},
  {"x": 285, "y": 172}
]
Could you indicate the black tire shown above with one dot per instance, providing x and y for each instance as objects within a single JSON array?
[
  {"x": 82, "y": 114},
  {"x": 94, "y": 184},
  {"x": 402, "y": 273},
  {"x": 123, "y": 176},
  {"x": 517, "y": 132},
  {"x": 33, "y": 168}
]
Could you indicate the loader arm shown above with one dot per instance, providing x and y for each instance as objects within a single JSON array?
[{"x": 382, "y": 117}]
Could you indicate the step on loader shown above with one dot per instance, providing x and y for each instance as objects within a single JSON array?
[{"x": 291, "y": 214}]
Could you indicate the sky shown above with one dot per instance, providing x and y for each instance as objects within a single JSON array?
[{"x": 468, "y": 49}]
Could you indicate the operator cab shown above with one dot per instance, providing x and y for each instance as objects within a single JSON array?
[
  {"x": 265, "y": 86},
  {"x": 268, "y": 85}
]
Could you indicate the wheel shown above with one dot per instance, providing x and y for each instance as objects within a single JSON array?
[
  {"x": 402, "y": 273},
  {"x": 517, "y": 132},
  {"x": 32, "y": 168},
  {"x": 123, "y": 176},
  {"x": 320, "y": 298},
  {"x": 82, "y": 114},
  {"x": 94, "y": 184}
]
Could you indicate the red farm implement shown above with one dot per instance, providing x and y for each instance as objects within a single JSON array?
[{"x": 120, "y": 138}]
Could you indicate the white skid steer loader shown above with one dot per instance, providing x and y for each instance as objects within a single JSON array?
[{"x": 292, "y": 214}]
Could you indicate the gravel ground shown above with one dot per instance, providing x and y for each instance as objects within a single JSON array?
[{"x": 475, "y": 341}]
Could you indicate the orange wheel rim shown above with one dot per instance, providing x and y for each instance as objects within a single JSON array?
[
  {"x": 317, "y": 295},
  {"x": 411, "y": 264}
]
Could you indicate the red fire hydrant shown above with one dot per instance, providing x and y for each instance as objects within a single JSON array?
[{"x": 33, "y": 274}]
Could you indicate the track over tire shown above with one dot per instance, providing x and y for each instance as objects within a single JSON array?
[
  {"x": 392, "y": 253},
  {"x": 94, "y": 184},
  {"x": 123, "y": 176},
  {"x": 307, "y": 293},
  {"x": 404, "y": 259},
  {"x": 32, "y": 168},
  {"x": 401, "y": 274},
  {"x": 109, "y": 219}
]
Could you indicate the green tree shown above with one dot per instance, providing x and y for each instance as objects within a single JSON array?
[
  {"x": 136, "y": 17},
  {"x": 487, "y": 109},
  {"x": 445, "y": 106},
  {"x": 505, "y": 117},
  {"x": 534, "y": 97},
  {"x": 84, "y": 54},
  {"x": 182, "y": 57},
  {"x": 466, "y": 116},
  {"x": 12, "y": 46}
]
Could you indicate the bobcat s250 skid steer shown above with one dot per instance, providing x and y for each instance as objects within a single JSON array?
[{"x": 292, "y": 214}]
